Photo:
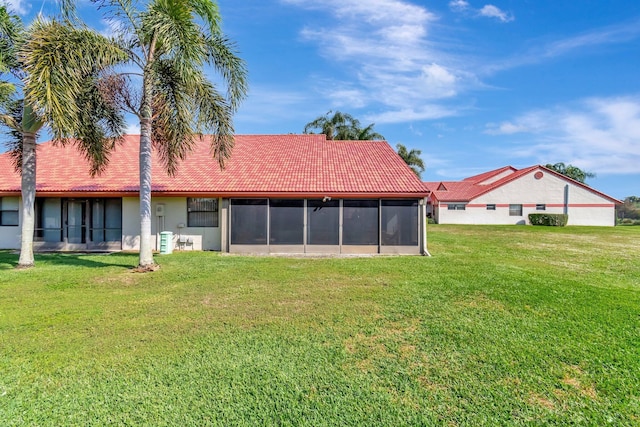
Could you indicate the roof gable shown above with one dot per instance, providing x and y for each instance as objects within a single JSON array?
[
  {"x": 475, "y": 186},
  {"x": 491, "y": 176}
]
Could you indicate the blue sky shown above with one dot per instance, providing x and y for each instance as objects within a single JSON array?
[{"x": 476, "y": 85}]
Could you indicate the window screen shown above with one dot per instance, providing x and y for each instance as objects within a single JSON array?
[
  {"x": 286, "y": 219},
  {"x": 323, "y": 222},
  {"x": 400, "y": 222},
  {"x": 360, "y": 223},
  {"x": 249, "y": 221}
]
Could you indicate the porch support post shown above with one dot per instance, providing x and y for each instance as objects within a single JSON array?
[{"x": 423, "y": 226}]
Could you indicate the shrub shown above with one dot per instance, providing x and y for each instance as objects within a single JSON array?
[
  {"x": 554, "y": 220},
  {"x": 629, "y": 221}
]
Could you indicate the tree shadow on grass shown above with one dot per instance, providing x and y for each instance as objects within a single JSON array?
[{"x": 9, "y": 259}]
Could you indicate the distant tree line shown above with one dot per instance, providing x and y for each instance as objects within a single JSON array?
[{"x": 629, "y": 211}]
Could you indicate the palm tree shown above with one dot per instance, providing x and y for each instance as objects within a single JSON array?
[
  {"x": 368, "y": 134},
  {"x": 341, "y": 126},
  {"x": 58, "y": 64},
  {"x": 411, "y": 158},
  {"x": 166, "y": 87}
]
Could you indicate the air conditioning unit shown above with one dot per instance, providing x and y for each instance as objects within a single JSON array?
[{"x": 160, "y": 209}]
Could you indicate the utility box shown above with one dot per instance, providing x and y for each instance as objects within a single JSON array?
[{"x": 166, "y": 242}]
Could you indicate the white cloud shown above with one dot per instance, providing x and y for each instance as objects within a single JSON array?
[
  {"x": 458, "y": 5},
  {"x": 492, "y": 11},
  {"x": 397, "y": 61},
  {"x": 436, "y": 76},
  {"x": 371, "y": 11},
  {"x": 18, "y": 6},
  {"x": 619, "y": 33},
  {"x": 348, "y": 97},
  {"x": 487, "y": 11},
  {"x": 601, "y": 135},
  {"x": 425, "y": 112}
]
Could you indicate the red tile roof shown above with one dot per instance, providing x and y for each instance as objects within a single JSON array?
[
  {"x": 475, "y": 186},
  {"x": 261, "y": 165},
  {"x": 488, "y": 175}
]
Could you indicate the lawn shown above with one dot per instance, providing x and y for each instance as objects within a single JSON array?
[{"x": 503, "y": 325}]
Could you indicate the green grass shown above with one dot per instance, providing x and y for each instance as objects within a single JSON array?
[{"x": 503, "y": 325}]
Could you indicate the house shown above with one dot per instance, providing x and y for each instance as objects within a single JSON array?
[
  {"x": 508, "y": 195},
  {"x": 277, "y": 194}
]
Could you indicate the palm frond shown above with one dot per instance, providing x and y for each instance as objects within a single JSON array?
[
  {"x": 170, "y": 25},
  {"x": 57, "y": 59},
  {"x": 369, "y": 134},
  {"x": 223, "y": 56},
  {"x": 11, "y": 122},
  {"x": 411, "y": 158},
  {"x": 185, "y": 106},
  {"x": 103, "y": 126},
  {"x": 208, "y": 11},
  {"x": 215, "y": 116},
  {"x": 173, "y": 112},
  {"x": 11, "y": 37}
]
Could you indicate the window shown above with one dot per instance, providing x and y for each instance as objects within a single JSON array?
[
  {"x": 456, "y": 206},
  {"x": 360, "y": 222},
  {"x": 48, "y": 220},
  {"x": 491, "y": 207},
  {"x": 323, "y": 222},
  {"x": 400, "y": 222},
  {"x": 515, "y": 210},
  {"x": 249, "y": 221},
  {"x": 286, "y": 218},
  {"x": 106, "y": 220},
  {"x": 9, "y": 211},
  {"x": 202, "y": 212},
  {"x": 541, "y": 207}
]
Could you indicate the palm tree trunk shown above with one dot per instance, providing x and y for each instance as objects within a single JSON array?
[
  {"x": 28, "y": 199},
  {"x": 146, "y": 254}
]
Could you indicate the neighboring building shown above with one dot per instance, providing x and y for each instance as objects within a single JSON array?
[
  {"x": 508, "y": 195},
  {"x": 277, "y": 194}
]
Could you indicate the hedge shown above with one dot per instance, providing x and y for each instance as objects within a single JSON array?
[{"x": 555, "y": 220}]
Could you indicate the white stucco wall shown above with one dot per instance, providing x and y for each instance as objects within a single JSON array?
[
  {"x": 130, "y": 223},
  {"x": 583, "y": 206},
  {"x": 175, "y": 215}
]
